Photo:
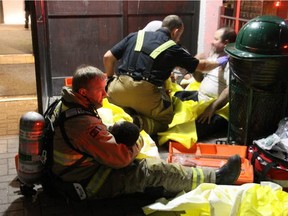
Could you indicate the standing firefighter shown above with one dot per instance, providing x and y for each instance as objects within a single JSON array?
[{"x": 91, "y": 164}]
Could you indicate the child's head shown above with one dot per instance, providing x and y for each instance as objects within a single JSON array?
[{"x": 125, "y": 132}]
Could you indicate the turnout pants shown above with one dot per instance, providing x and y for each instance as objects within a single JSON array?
[
  {"x": 151, "y": 102},
  {"x": 146, "y": 174}
]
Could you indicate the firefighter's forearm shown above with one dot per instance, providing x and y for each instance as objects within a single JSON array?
[{"x": 109, "y": 62}]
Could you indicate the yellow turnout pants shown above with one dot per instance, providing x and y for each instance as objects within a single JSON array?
[
  {"x": 152, "y": 103},
  {"x": 148, "y": 174}
]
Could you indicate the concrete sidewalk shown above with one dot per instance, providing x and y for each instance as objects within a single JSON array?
[
  {"x": 15, "y": 39},
  {"x": 17, "y": 69}
]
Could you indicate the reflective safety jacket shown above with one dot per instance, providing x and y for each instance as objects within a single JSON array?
[{"x": 90, "y": 136}]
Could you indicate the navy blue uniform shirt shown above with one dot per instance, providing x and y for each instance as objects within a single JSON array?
[{"x": 162, "y": 66}]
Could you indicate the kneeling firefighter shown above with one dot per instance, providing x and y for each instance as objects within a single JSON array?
[
  {"x": 92, "y": 165},
  {"x": 147, "y": 60}
]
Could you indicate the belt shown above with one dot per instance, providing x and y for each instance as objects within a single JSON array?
[
  {"x": 140, "y": 77},
  {"x": 134, "y": 76}
]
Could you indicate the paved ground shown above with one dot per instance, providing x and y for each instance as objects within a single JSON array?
[
  {"x": 17, "y": 70},
  {"x": 15, "y": 39}
]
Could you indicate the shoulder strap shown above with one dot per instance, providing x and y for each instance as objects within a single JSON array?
[
  {"x": 70, "y": 113},
  {"x": 51, "y": 108},
  {"x": 139, "y": 41},
  {"x": 162, "y": 48},
  {"x": 66, "y": 138},
  {"x": 137, "y": 49},
  {"x": 48, "y": 134},
  {"x": 154, "y": 54}
]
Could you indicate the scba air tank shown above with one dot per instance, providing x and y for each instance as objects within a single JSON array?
[{"x": 30, "y": 137}]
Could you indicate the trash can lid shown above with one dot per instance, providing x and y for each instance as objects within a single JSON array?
[{"x": 261, "y": 37}]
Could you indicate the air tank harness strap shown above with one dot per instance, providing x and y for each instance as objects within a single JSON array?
[
  {"x": 78, "y": 188},
  {"x": 154, "y": 54},
  {"x": 67, "y": 114}
]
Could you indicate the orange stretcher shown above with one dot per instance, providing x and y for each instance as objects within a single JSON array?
[{"x": 211, "y": 155}]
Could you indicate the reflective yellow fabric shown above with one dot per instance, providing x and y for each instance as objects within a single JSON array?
[
  {"x": 194, "y": 181},
  {"x": 139, "y": 41},
  {"x": 198, "y": 177},
  {"x": 213, "y": 200},
  {"x": 263, "y": 200},
  {"x": 162, "y": 48},
  {"x": 157, "y": 51},
  {"x": 111, "y": 113},
  {"x": 67, "y": 159},
  {"x": 97, "y": 180},
  {"x": 182, "y": 129},
  {"x": 117, "y": 113}
]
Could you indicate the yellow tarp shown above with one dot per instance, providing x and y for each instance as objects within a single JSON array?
[
  {"x": 111, "y": 113},
  {"x": 266, "y": 199},
  {"x": 182, "y": 128}
]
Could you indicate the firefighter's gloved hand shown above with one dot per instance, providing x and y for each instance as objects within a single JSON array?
[{"x": 222, "y": 60}]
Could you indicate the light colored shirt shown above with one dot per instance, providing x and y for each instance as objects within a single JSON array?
[{"x": 214, "y": 82}]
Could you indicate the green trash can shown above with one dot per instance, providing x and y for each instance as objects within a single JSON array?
[{"x": 258, "y": 79}]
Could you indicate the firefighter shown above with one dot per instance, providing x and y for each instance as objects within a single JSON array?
[
  {"x": 110, "y": 169},
  {"x": 147, "y": 60}
]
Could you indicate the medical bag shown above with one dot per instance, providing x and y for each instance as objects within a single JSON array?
[{"x": 267, "y": 166}]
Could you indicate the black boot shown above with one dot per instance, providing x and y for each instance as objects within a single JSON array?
[{"x": 229, "y": 172}]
